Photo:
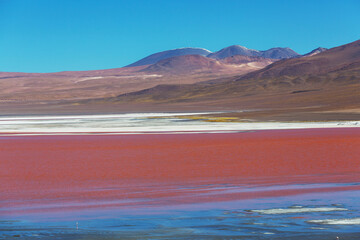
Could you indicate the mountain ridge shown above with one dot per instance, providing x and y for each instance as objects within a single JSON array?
[
  {"x": 324, "y": 86},
  {"x": 156, "y": 57},
  {"x": 315, "y": 51},
  {"x": 273, "y": 53},
  {"x": 323, "y": 82},
  {"x": 323, "y": 62}
]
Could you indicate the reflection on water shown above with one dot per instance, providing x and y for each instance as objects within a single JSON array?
[{"x": 317, "y": 214}]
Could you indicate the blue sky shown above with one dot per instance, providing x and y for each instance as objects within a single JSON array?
[{"x": 58, "y": 35}]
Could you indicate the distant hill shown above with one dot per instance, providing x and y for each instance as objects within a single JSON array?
[
  {"x": 279, "y": 53},
  {"x": 185, "y": 64},
  {"x": 190, "y": 64},
  {"x": 156, "y": 57}
]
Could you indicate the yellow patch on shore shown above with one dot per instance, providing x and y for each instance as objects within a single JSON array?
[{"x": 206, "y": 119}]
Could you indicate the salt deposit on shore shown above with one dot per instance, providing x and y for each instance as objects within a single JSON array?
[{"x": 143, "y": 123}]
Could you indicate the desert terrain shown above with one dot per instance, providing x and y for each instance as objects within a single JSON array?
[
  {"x": 235, "y": 144},
  {"x": 322, "y": 86}
]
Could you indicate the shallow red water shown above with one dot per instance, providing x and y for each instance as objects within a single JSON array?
[{"x": 44, "y": 168}]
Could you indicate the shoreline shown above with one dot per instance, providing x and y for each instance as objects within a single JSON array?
[
  {"x": 69, "y": 134},
  {"x": 149, "y": 123}
]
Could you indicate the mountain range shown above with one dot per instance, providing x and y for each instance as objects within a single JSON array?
[
  {"x": 273, "y": 53},
  {"x": 323, "y": 84}
]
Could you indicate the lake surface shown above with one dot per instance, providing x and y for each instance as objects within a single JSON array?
[{"x": 269, "y": 184}]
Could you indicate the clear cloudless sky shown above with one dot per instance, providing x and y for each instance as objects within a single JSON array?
[{"x": 58, "y": 35}]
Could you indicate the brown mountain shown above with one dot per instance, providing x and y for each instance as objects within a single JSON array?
[
  {"x": 325, "y": 82},
  {"x": 185, "y": 64},
  {"x": 332, "y": 60}
]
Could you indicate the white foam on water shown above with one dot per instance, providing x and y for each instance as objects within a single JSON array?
[
  {"x": 344, "y": 221},
  {"x": 298, "y": 210}
]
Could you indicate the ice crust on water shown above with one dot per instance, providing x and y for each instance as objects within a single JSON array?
[
  {"x": 298, "y": 210},
  {"x": 344, "y": 221}
]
